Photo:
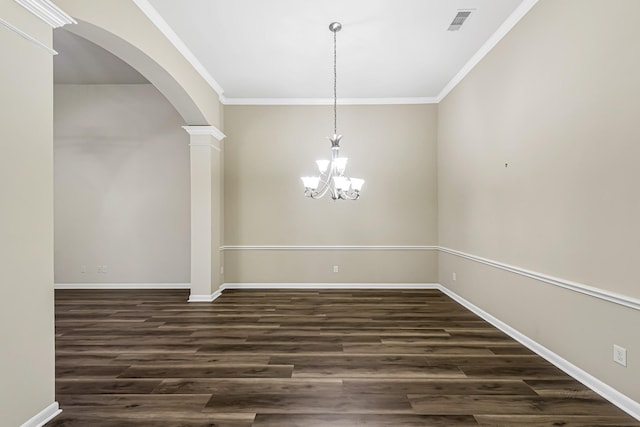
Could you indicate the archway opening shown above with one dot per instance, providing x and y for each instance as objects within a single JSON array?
[{"x": 121, "y": 171}]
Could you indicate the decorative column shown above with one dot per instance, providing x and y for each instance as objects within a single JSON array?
[{"x": 206, "y": 212}]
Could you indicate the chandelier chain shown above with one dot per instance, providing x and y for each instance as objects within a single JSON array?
[{"x": 335, "y": 87}]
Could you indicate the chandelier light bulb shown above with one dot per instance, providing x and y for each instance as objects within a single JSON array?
[
  {"x": 341, "y": 183},
  {"x": 310, "y": 182},
  {"x": 356, "y": 184},
  {"x": 322, "y": 165},
  {"x": 341, "y": 164}
]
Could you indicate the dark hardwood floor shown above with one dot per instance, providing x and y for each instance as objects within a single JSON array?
[{"x": 302, "y": 358}]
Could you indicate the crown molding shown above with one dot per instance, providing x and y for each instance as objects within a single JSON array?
[
  {"x": 329, "y": 101},
  {"x": 500, "y": 33},
  {"x": 205, "y": 130},
  {"x": 165, "y": 29},
  {"x": 48, "y": 12}
]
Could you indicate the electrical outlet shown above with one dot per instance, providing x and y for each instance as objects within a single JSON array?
[
  {"x": 620, "y": 355},
  {"x": 335, "y": 269},
  {"x": 454, "y": 276},
  {"x": 83, "y": 269},
  {"x": 221, "y": 270}
]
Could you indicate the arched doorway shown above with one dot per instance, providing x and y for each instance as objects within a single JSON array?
[
  {"x": 200, "y": 112},
  {"x": 121, "y": 174}
]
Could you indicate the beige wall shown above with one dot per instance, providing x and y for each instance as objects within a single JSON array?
[
  {"x": 316, "y": 266},
  {"x": 557, "y": 100},
  {"x": 266, "y": 151},
  {"x": 121, "y": 186},
  {"x": 26, "y": 220}
]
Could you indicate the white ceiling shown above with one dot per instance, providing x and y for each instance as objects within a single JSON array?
[{"x": 279, "y": 50}]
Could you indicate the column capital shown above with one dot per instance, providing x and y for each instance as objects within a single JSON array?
[{"x": 205, "y": 130}]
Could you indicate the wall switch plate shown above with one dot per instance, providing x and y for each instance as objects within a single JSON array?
[
  {"x": 335, "y": 269},
  {"x": 620, "y": 355},
  {"x": 454, "y": 276}
]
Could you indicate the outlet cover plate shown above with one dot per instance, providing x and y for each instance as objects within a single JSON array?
[{"x": 620, "y": 355}]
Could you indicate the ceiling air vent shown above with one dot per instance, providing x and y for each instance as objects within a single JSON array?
[{"x": 459, "y": 20}]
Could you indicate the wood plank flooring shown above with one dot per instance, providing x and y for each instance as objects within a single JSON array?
[{"x": 284, "y": 358}]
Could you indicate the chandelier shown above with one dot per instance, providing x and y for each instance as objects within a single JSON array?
[{"x": 332, "y": 179}]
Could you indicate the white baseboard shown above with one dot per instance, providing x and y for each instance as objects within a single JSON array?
[
  {"x": 622, "y": 401},
  {"x": 311, "y": 286},
  {"x": 205, "y": 298},
  {"x": 122, "y": 286},
  {"x": 44, "y": 416}
]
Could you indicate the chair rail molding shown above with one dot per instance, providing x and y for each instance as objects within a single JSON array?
[
  {"x": 602, "y": 294},
  {"x": 27, "y": 37},
  {"x": 327, "y": 248}
]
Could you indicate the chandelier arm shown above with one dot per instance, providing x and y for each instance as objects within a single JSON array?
[
  {"x": 344, "y": 195},
  {"x": 322, "y": 191},
  {"x": 350, "y": 195}
]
